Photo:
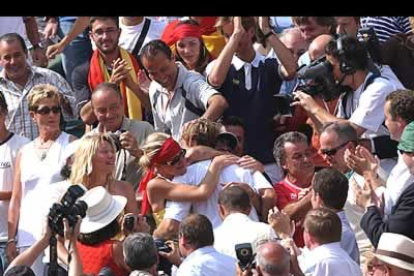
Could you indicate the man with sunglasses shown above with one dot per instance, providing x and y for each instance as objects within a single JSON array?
[
  {"x": 335, "y": 139},
  {"x": 17, "y": 79},
  {"x": 401, "y": 218}
]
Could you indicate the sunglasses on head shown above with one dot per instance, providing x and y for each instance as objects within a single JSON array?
[
  {"x": 332, "y": 152},
  {"x": 46, "y": 110},
  {"x": 177, "y": 158}
]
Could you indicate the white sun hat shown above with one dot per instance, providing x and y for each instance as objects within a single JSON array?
[
  {"x": 103, "y": 208},
  {"x": 396, "y": 250}
]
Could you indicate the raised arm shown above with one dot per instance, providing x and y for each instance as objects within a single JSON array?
[
  {"x": 200, "y": 153},
  {"x": 222, "y": 64},
  {"x": 183, "y": 192},
  {"x": 286, "y": 58},
  {"x": 78, "y": 27}
]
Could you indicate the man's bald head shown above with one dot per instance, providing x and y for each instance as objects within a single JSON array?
[
  {"x": 294, "y": 41},
  {"x": 317, "y": 47},
  {"x": 273, "y": 259}
]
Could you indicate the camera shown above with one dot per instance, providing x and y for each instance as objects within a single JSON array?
[
  {"x": 244, "y": 253},
  {"x": 69, "y": 208},
  {"x": 319, "y": 79},
  {"x": 116, "y": 138},
  {"x": 130, "y": 222},
  {"x": 161, "y": 246},
  {"x": 164, "y": 264}
]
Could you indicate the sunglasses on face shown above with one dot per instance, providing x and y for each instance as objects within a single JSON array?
[
  {"x": 177, "y": 158},
  {"x": 406, "y": 152},
  {"x": 46, "y": 110},
  {"x": 332, "y": 152}
]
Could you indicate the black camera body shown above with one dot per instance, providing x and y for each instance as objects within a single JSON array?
[
  {"x": 69, "y": 208},
  {"x": 245, "y": 255},
  {"x": 320, "y": 80},
  {"x": 116, "y": 138},
  {"x": 161, "y": 246}
]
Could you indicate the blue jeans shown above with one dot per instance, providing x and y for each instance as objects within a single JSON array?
[
  {"x": 77, "y": 52},
  {"x": 4, "y": 263}
]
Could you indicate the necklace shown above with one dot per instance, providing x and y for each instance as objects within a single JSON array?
[{"x": 42, "y": 148}]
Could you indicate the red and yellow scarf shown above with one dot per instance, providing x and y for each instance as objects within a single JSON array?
[{"x": 98, "y": 73}]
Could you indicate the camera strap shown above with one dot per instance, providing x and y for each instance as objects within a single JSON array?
[{"x": 344, "y": 99}]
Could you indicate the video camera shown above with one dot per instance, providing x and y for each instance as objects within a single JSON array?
[
  {"x": 68, "y": 208},
  {"x": 318, "y": 79},
  {"x": 245, "y": 255}
]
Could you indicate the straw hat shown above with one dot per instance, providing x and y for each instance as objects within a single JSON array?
[
  {"x": 103, "y": 208},
  {"x": 396, "y": 250}
]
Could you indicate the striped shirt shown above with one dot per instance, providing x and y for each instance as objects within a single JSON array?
[
  {"x": 386, "y": 26},
  {"x": 18, "y": 118}
]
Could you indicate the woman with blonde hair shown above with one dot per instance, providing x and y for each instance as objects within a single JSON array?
[
  {"x": 163, "y": 158},
  {"x": 94, "y": 165},
  {"x": 38, "y": 164}
]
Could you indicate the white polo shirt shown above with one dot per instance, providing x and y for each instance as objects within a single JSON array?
[{"x": 195, "y": 174}]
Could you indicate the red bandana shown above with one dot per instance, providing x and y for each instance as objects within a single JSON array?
[{"x": 168, "y": 150}]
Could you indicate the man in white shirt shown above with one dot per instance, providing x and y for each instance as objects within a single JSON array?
[
  {"x": 177, "y": 95},
  {"x": 324, "y": 255},
  {"x": 363, "y": 107},
  {"x": 336, "y": 139},
  {"x": 138, "y": 31},
  {"x": 10, "y": 144},
  {"x": 196, "y": 241},
  {"x": 237, "y": 227},
  {"x": 330, "y": 190}
]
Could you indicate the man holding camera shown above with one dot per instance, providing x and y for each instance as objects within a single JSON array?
[
  {"x": 196, "y": 239},
  {"x": 108, "y": 108},
  {"x": 363, "y": 107}
]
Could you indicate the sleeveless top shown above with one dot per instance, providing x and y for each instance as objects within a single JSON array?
[
  {"x": 95, "y": 257},
  {"x": 36, "y": 176}
]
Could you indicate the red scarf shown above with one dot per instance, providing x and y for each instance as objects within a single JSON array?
[
  {"x": 168, "y": 150},
  {"x": 96, "y": 76}
]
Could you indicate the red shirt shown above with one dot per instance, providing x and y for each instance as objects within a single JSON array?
[
  {"x": 96, "y": 257},
  {"x": 288, "y": 193}
]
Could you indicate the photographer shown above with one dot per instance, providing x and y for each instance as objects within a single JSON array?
[
  {"x": 28, "y": 257},
  {"x": 196, "y": 241},
  {"x": 272, "y": 259},
  {"x": 363, "y": 107},
  {"x": 108, "y": 108}
]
